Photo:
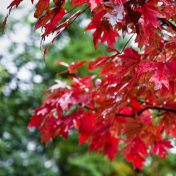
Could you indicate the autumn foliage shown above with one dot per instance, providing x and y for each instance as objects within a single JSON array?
[{"x": 131, "y": 106}]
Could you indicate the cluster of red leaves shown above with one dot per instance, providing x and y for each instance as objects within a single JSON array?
[{"x": 133, "y": 102}]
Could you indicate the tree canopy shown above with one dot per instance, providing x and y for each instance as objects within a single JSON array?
[{"x": 130, "y": 107}]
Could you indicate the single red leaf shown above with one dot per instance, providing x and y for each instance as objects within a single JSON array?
[
  {"x": 86, "y": 126},
  {"x": 134, "y": 151},
  {"x": 14, "y": 3},
  {"x": 151, "y": 15},
  {"x": 134, "y": 126},
  {"x": 102, "y": 27},
  {"x": 59, "y": 13},
  {"x": 45, "y": 18},
  {"x": 41, "y": 6},
  {"x": 129, "y": 62},
  {"x": 109, "y": 36},
  {"x": 110, "y": 148},
  {"x": 160, "y": 148},
  {"x": 160, "y": 78}
]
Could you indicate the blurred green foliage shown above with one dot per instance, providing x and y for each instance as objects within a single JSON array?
[{"x": 21, "y": 153}]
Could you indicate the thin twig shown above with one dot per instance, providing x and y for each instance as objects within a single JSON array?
[{"x": 126, "y": 43}]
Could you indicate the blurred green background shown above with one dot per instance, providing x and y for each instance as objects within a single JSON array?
[{"x": 24, "y": 76}]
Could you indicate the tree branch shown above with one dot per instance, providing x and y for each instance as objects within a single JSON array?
[
  {"x": 148, "y": 107},
  {"x": 167, "y": 23}
]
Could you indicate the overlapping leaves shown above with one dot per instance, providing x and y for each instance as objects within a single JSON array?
[{"x": 133, "y": 101}]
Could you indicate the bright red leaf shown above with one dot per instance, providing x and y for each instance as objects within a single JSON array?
[{"x": 160, "y": 148}]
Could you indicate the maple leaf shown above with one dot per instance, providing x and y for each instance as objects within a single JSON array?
[
  {"x": 49, "y": 21},
  {"x": 160, "y": 78},
  {"x": 134, "y": 151},
  {"x": 57, "y": 16},
  {"x": 160, "y": 148},
  {"x": 162, "y": 70},
  {"x": 49, "y": 128},
  {"x": 54, "y": 17},
  {"x": 14, "y": 3},
  {"x": 109, "y": 36},
  {"x": 151, "y": 15},
  {"x": 102, "y": 27},
  {"x": 86, "y": 126},
  {"x": 110, "y": 148},
  {"x": 134, "y": 126},
  {"x": 39, "y": 116},
  {"x": 41, "y": 6},
  {"x": 171, "y": 68},
  {"x": 45, "y": 18},
  {"x": 129, "y": 61}
]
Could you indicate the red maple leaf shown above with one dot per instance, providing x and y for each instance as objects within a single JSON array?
[
  {"x": 129, "y": 61},
  {"x": 161, "y": 72},
  {"x": 109, "y": 36},
  {"x": 14, "y": 3},
  {"x": 134, "y": 151},
  {"x": 41, "y": 6},
  {"x": 103, "y": 30},
  {"x": 151, "y": 15},
  {"x": 86, "y": 126},
  {"x": 160, "y": 148},
  {"x": 110, "y": 148}
]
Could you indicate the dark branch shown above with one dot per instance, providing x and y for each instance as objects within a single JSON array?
[
  {"x": 148, "y": 107},
  {"x": 167, "y": 23}
]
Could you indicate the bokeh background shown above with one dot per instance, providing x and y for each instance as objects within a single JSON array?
[{"x": 24, "y": 76}]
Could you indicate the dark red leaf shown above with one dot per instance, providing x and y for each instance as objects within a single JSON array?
[{"x": 41, "y": 6}]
